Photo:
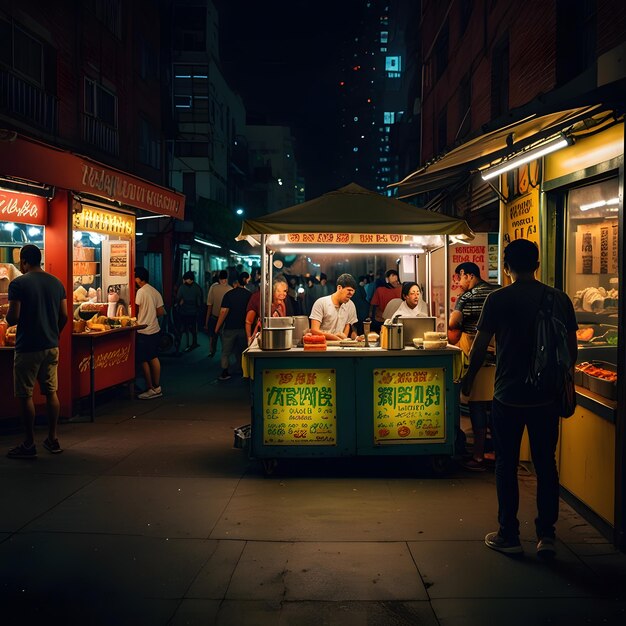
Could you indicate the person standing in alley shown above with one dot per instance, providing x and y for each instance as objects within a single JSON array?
[
  {"x": 509, "y": 314},
  {"x": 149, "y": 303},
  {"x": 38, "y": 305},
  {"x": 231, "y": 322},
  {"x": 214, "y": 304},
  {"x": 189, "y": 301},
  {"x": 462, "y": 331}
]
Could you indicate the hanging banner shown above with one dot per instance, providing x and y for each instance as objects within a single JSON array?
[
  {"x": 409, "y": 405},
  {"x": 521, "y": 218},
  {"x": 299, "y": 407}
]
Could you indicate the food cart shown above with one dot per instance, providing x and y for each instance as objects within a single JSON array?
[{"x": 351, "y": 401}]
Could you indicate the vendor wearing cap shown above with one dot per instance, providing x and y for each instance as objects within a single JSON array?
[{"x": 332, "y": 316}]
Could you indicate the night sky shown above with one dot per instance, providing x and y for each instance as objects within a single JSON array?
[{"x": 284, "y": 58}]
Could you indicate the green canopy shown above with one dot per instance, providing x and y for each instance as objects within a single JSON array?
[{"x": 354, "y": 209}]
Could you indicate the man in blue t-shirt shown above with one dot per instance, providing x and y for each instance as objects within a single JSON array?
[
  {"x": 38, "y": 305},
  {"x": 509, "y": 314}
]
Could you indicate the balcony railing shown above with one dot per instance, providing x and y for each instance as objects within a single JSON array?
[
  {"x": 22, "y": 99},
  {"x": 101, "y": 135}
]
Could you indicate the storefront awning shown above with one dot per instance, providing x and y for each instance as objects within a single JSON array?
[
  {"x": 456, "y": 166},
  {"x": 354, "y": 209},
  {"x": 26, "y": 159}
]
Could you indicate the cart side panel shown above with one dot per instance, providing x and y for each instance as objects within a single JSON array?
[{"x": 271, "y": 369}]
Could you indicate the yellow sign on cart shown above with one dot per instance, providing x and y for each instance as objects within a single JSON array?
[
  {"x": 299, "y": 407},
  {"x": 409, "y": 405}
]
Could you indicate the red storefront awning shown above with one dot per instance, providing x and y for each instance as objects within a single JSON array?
[{"x": 30, "y": 160}]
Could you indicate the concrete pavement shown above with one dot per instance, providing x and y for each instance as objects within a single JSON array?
[{"x": 150, "y": 516}]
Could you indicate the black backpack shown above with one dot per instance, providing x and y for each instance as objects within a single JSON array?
[{"x": 551, "y": 366}]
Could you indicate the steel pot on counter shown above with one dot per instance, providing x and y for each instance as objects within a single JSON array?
[{"x": 276, "y": 338}]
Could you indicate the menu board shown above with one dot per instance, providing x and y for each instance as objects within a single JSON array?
[
  {"x": 299, "y": 407},
  {"x": 409, "y": 405}
]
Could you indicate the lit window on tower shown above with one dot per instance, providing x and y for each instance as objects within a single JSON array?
[{"x": 393, "y": 63}]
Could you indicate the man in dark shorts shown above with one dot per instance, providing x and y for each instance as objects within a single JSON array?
[
  {"x": 38, "y": 305},
  {"x": 149, "y": 303},
  {"x": 510, "y": 314}
]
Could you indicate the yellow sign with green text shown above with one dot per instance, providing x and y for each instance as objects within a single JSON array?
[
  {"x": 409, "y": 405},
  {"x": 299, "y": 407}
]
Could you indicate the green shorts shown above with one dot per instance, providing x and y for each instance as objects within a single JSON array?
[{"x": 31, "y": 366}]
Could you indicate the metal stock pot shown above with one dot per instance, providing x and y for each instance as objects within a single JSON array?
[{"x": 277, "y": 338}]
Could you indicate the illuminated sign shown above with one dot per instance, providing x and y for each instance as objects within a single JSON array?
[
  {"x": 344, "y": 238},
  {"x": 299, "y": 407},
  {"x": 22, "y": 207},
  {"x": 101, "y": 221},
  {"x": 409, "y": 405}
]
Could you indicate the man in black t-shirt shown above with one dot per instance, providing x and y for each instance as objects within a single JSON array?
[
  {"x": 509, "y": 314},
  {"x": 38, "y": 305},
  {"x": 232, "y": 323}
]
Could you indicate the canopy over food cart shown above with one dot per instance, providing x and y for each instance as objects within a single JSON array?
[
  {"x": 354, "y": 209},
  {"x": 350, "y": 215}
]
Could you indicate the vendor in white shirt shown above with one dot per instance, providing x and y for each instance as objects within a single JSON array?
[
  {"x": 411, "y": 304},
  {"x": 332, "y": 316}
]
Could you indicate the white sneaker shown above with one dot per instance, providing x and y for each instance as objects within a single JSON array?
[{"x": 151, "y": 394}]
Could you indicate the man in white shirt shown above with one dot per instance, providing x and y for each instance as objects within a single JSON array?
[
  {"x": 333, "y": 315},
  {"x": 149, "y": 305}
]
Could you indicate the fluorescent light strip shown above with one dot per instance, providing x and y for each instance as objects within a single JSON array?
[
  {"x": 352, "y": 250},
  {"x": 599, "y": 203},
  {"x": 152, "y": 217},
  {"x": 206, "y": 243},
  {"x": 525, "y": 157}
]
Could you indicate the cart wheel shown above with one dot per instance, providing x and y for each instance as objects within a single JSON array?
[
  {"x": 440, "y": 463},
  {"x": 269, "y": 465}
]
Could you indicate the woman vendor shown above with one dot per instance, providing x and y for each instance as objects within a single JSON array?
[
  {"x": 282, "y": 306},
  {"x": 409, "y": 305}
]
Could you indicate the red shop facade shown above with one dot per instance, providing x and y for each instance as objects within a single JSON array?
[{"x": 82, "y": 215}]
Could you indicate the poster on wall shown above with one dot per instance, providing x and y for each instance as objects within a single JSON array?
[
  {"x": 116, "y": 271},
  {"x": 409, "y": 405},
  {"x": 299, "y": 407},
  {"x": 476, "y": 252}
]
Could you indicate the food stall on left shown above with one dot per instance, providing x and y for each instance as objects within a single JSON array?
[
  {"x": 82, "y": 214},
  {"x": 351, "y": 399}
]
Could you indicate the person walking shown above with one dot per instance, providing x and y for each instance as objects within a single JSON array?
[
  {"x": 509, "y": 314},
  {"x": 214, "y": 304},
  {"x": 462, "y": 332},
  {"x": 38, "y": 305},
  {"x": 189, "y": 300},
  {"x": 231, "y": 322},
  {"x": 149, "y": 304}
]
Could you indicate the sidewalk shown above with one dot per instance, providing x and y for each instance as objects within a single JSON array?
[{"x": 151, "y": 517}]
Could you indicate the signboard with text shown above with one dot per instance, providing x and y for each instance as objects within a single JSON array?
[
  {"x": 299, "y": 407},
  {"x": 409, "y": 405},
  {"x": 22, "y": 207}
]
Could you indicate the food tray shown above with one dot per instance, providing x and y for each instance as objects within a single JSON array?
[{"x": 602, "y": 387}]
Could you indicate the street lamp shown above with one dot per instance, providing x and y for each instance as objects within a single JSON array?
[{"x": 239, "y": 211}]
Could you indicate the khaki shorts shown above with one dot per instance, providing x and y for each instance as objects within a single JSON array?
[{"x": 31, "y": 366}]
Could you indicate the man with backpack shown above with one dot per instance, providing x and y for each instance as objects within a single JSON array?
[{"x": 511, "y": 314}]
